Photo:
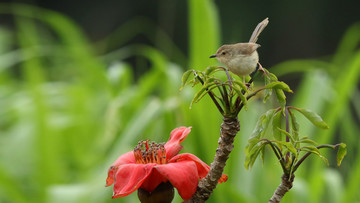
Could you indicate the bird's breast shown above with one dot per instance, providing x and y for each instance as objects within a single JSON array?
[{"x": 243, "y": 64}]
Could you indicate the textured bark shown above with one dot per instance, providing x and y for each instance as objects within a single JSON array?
[
  {"x": 282, "y": 189},
  {"x": 229, "y": 128}
]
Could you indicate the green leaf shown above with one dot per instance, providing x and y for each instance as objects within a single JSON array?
[
  {"x": 241, "y": 85},
  {"x": 289, "y": 146},
  {"x": 315, "y": 151},
  {"x": 263, "y": 124},
  {"x": 184, "y": 78},
  {"x": 287, "y": 135},
  {"x": 311, "y": 149},
  {"x": 262, "y": 127},
  {"x": 313, "y": 117},
  {"x": 211, "y": 69},
  {"x": 272, "y": 77},
  {"x": 268, "y": 92},
  {"x": 276, "y": 124},
  {"x": 308, "y": 141},
  {"x": 278, "y": 85},
  {"x": 294, "y": 126},
  {"x": 281, "y": 98},
  {"x": 341, "y": 153},
  {"x": 254, "y": 140},
  {"x": 211, "y": 80},
  {"x": 238, "y": 92},
  {"x": 324, "y": 159},
  {"x": 251, "y": 154},
  {"x": 201, "y": 93},
  {"x": 262, "y": 155}
]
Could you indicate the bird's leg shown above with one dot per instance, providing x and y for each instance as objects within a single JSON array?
[
  {"x": 247, "y": 84},
  {"x": 228, "y": 76},
  {"x": 261, "y": 68}
]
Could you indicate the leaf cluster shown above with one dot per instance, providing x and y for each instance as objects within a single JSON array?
[
  {"x": 290, "y": 149},
  {"x": 231, "y": 95}
]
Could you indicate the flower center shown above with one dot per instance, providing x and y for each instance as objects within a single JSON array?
[{"x": 150, "y": 152}]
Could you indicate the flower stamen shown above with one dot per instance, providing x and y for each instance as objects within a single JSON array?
[{"x": 150, "y": 152}]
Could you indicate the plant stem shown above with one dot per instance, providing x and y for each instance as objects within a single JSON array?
[
  {"x": 210, "y": 94},
  {"x": 229, "y": 128},
  {"x": 239, "y": 105},
  {"x": 308, "y": 154},
  {"x": 287, "y": 181},
  {"x": 283, "y": 188},
  {"x": 279, "y": 155}
]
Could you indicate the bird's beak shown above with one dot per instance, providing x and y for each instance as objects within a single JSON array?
[{"x": 213, "y": 56}]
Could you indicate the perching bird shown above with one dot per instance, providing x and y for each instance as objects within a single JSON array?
[{"x": 242, "y": 58}]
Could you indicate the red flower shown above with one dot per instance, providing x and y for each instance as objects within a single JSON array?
[{"x": 151, "y": 164}]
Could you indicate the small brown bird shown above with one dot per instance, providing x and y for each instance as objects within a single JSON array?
[{"x": 242, "y": 58}]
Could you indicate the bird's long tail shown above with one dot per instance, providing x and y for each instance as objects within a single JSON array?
[{"x": 259, "y": 28}]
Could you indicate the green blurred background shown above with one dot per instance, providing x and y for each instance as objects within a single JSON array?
[{"x": 82, "y": 82}]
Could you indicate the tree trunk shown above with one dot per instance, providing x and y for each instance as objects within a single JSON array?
[
  {"x": 229, "y": 128},
  {"x": 284, "y": 187}
]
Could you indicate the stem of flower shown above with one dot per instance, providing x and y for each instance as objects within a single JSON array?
[{"x": 229, "y": 128}]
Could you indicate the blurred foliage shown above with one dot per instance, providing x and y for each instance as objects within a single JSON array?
[{"x": 69, "y": 108}]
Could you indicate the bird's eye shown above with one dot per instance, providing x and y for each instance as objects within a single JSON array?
[{"x": 223, "y": 53}]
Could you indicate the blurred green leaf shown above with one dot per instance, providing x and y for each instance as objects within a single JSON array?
[
  {"x": 204, "y": 32},
  {"x": 341, "y": 153}
]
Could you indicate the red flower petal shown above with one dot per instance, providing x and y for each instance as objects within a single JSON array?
[
  {"x": 110, "y": 178},
  {"x": 129, "y": 178},
  {"x": 202, "y": 167},
  {"x": 182, "y": 175},
  {"x": 154, "y": 179},
  {"x": 173, "y": 146},
  {"x": 126, "y": 158}
]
